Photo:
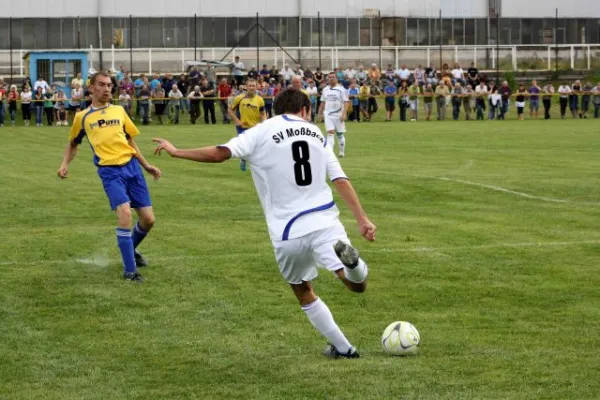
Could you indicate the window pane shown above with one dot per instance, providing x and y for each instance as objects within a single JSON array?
[
  {"x": 29, "y": 33},
  {"x": 341, "y": 32},
  {"x": 328, "y": 31},
  {"x": 505, "y": 31},
  {"x": 435, "y": 32},
  {"x": 447, "y": 32},
  {"x": 306, "y": 32},
  {"x": 270, "y": 25},
  {"x": 423, "y": 32},
  {"x": 469, "y": 31},
  {"x": 375, "y": 32},
  {"x": 220, "y": 32},
  {"x": 459, "y": 31},
  {"x": 183, "y": 32},
  {"x": 55, "y": 39},
  {"x": 292, "y": 32},
  {"x": 481, "y": 31},
  {"x": 244, "y": 25},
  {"x": 205, "y": 25},
  {"x": 68, "y": 33},
  {"x": 4, "y": 33},
  {"x": 412, "y": 32},
  {"x": 365, "y": 32},
  {"x": 90, "y": 32},
  {"x": 353, "y": 32},
  {"x": 17, "y": 33}
]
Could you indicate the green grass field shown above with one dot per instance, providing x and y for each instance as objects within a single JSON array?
[{"x": 488, "y": 243}]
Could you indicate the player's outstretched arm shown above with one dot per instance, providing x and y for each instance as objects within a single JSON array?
[
  {"x": 151, "y": 169},
  {"x": 213, "y": 154},
  {"x": 348, "y": 194},
  {"x": 68, "y": 156}
]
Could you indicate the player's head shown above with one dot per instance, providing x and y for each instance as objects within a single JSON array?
[
  {"x": 101, "y": 87},
  {"x": 251, "y": 86},
  {"x": 332, "y": 79},
  {"x": 292, "y": 101},
  {"x": 296, "y": 82}
]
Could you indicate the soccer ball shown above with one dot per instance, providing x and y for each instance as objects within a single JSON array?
[{"x": 401, "y": 338}]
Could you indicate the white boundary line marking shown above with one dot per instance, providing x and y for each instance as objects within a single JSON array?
[
  {"x": 485, "y": 186},
  {"x": 103, "y": 262}
]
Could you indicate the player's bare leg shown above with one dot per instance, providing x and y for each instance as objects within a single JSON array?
[
  {"x": 125, "y": 242},
  {"x": 320, "y": 317},
  {"x": 145, "y": 223}
]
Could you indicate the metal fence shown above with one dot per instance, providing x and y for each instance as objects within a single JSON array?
[{"x": 485, "y": 57}]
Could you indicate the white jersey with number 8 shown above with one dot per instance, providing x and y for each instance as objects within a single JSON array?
[{"x": 290, "y": 163}]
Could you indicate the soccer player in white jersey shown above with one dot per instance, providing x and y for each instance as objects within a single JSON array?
[
  {"x": 334, "y": 110},
  {"x": 290, "y": 165}
]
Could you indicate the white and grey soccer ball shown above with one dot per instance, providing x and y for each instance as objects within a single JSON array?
[{"x": 401, "y": 338}]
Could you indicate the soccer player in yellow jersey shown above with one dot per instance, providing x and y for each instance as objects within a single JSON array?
[
  {"x": 110, "y": 133},
  {"x": 247, "y": 111}
]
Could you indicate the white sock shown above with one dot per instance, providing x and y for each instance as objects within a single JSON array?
[
  {"x": 342, "y": 142},
  {"x": 331, "y": 140},
  {"x": 358, "y": 274},
  {"x": 319, "y": 315}
]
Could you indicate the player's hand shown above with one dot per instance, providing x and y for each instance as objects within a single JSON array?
[
  {"x": 320, "y": 118},
  {"x": 367, "y": 229},
  {"x": 63, "y": 171},
  {"x": 164, "y": 145},
  {"x": 155, "y": 172},
  {"x": 343, "y": 117}
]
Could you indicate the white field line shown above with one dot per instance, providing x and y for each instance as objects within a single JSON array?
[
  {"x": 103, "y": 262},
  {"x": 486, "y": 186}
]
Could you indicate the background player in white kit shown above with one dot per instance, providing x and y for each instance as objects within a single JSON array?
[
  {"x": 333, "y": 111},
  {"x": 291, "y": 162}
]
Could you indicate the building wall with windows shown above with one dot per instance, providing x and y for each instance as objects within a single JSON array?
[{"x": 59, "y": 24}]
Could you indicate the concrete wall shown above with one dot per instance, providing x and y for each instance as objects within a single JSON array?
[{"x": 337, "y": 8}]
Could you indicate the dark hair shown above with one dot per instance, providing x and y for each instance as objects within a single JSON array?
[
  {"x": 96, "y": 75},
  {"x": 291, "y": 101}
]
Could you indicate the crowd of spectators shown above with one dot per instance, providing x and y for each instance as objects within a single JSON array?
[{"x": 198, "y": 92}]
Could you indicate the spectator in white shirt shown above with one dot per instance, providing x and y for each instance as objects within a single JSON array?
[
  {"x": 26, "y": 96},
  {"x": 237, "y": 70},
  {"x": 458, "y": 75},
  {"x": 350, "y": 74},
  {"x": 287, "y": 74},
  {"x": 481, "y": 92},
  {"x": 175, "y": 96},
  {"x": 563, "y": 92},
  {"x": 40, "y": 83},
  {"x": 77, "y": 81},
  {"x": 361, "y": 75},
  {"x": 403, "y": 74}
]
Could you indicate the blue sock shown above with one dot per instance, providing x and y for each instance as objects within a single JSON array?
[
  {"x": 126, "y": 247},
  {"x": 137, "y": 235}
]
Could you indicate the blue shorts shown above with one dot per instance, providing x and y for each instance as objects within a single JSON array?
[
  {"x": 240, "y": 130},
  {"x": 125, "y": 184}
]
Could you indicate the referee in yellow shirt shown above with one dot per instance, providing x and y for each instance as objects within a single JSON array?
[
  {"x": 247, "y": 110},
  {"x": 110, "y": 133}
]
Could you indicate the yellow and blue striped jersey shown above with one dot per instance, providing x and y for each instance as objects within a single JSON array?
[{"x": 108, "y": 130}]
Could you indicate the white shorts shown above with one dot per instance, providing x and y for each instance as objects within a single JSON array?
[
  {"x": 334, "y": 124},
  {"x": 299, "y": 258},
  {"x": 414, "y": 104}
]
